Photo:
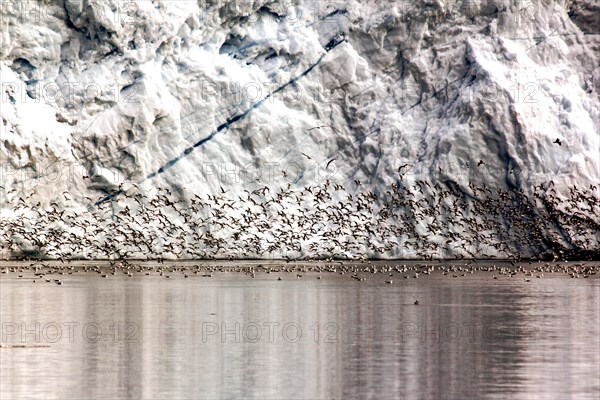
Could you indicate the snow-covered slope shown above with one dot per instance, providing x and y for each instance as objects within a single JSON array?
[{"x": 107, "y": 99}]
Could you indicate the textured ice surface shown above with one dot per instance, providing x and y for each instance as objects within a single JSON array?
[{"x": 99, "y": 96}]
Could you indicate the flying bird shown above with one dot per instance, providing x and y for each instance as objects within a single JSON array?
[
  {"x": 402, "y": 166},
  {"x": 318, "y": 127}
]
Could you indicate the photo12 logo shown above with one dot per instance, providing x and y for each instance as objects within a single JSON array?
[
  {"x": 467, "y": 332},
  {"x": 290, "y": 12},
  {"x": 269, "y": 332},
  {"x": 527, "y": 12},
  {"x": 68, "y": 171},
  {"x": 68, "y": 93},
  {"x": 124, "y": 12},
  {"x": 70, "y": 332},
  {"x": 516, "y": 93}
]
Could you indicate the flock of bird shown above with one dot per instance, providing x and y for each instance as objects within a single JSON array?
[
  {"x": 417, "y": 219},
  {"x": 40, "y": 271}
]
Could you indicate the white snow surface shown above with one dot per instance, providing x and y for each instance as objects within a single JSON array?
[{"x": 99, "y": 95}]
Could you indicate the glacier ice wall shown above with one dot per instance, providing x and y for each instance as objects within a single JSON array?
[{"x": 101, "y": 99}]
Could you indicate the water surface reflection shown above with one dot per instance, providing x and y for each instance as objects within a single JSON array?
[{"x": 230, "y": 336}]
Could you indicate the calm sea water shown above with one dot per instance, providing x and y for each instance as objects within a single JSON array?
[{"x": 233, "y": 336}]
